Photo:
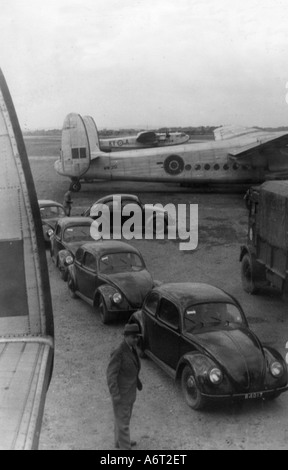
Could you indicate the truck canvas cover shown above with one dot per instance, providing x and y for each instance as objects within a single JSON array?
[{"x": 272, "y": 218}]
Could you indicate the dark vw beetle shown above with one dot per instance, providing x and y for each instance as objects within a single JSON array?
[
  {"x": 111, "y": 276},
  {"x": 199, "y": 335},
  {"x": 50, "y": 212},
  {"x": 69, "y": 234}
]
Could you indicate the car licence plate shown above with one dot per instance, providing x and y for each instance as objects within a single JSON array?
[{"x": 252, "y": 396}]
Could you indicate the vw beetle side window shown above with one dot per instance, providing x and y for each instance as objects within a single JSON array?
[
  {"x": 89, "y": 261},
  {"x": 168, "y": 313},
  {"x": 151, "y": 303}
]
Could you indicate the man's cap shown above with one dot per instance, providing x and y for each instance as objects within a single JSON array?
[{"x": 132, "y": 329}]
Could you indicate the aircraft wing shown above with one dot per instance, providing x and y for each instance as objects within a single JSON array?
[
  {"x": 230, "y": 132},
  {"x": 147, "y": 137},
  {"x": 245, "y": 153},
  {"x": 261, "y": 143},
  {"x": 26, "y": 318}
]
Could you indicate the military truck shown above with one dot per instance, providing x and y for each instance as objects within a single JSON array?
[{"x": 264, "y": 258}]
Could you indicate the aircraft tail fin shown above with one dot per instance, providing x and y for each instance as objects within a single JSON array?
[{"x": 79, "y": 145}]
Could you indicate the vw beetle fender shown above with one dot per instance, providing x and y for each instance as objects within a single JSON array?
[
  {"x": 107, "y": 292},
  {"x": 199, "y": 363},
  {"x": 62, "y": 255}
]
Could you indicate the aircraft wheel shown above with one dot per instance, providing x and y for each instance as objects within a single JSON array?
[{"x": 75, "y": 186}]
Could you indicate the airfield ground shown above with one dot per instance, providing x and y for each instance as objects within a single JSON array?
[{"x": 78, "y": 412}]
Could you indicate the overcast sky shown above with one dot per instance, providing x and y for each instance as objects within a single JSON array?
[{"x": 147, "y": 63}]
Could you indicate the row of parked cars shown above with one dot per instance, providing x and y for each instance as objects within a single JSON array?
[{"x": 197, "y": 333}]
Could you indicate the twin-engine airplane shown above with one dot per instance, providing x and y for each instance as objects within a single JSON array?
[
  {"x": 237, "y": 155},
  {"x": 144, "y": 139},
  {"x": 26, "y": 318}
]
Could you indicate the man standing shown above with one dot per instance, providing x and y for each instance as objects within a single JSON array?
[
  {"x": 123, "y": 382},
  {"x": 67, "y": 203}
]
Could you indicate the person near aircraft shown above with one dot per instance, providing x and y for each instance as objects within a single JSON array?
[{"x": 67, "y": 203}]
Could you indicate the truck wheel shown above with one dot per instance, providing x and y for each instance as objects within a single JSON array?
[
  {"x": 191, "y": 390},
  {"x": 247, "y": 275}
]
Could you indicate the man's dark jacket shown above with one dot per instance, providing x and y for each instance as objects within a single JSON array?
[{"x": 123, "y": 374}]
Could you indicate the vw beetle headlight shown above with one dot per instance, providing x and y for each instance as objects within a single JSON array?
[
  {"x": 117, "y": 298},
  {"x": 69, "y": 259},
  {"x": 215, "y": 376},
  {"x": 276, "y": 369},
  {"x": 50, "y": 232}
]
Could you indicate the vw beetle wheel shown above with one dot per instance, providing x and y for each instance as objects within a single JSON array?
[
  {"x": 71, "y": 287},
  {"x": 104, "y": 314},
  {"x": 191, "y": 390}
]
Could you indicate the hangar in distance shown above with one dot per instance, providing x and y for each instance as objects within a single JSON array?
[{"x": 236, "y": 155}]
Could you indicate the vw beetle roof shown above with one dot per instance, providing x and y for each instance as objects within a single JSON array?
[
  {"x": 48, "y": 202},
  {"x": 190, "y": 293},
  {"x": 71, "y": 221},
  {"x": 109, "y": 246}
]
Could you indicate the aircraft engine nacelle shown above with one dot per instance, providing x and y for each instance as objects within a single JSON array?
[{"x": 79, "y": 140}]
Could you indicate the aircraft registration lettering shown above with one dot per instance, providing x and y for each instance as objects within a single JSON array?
[
  {"x": 112, "y": 167},
  {"x": 118, "y": 143}
]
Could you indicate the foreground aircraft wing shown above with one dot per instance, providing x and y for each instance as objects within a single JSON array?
[
  {"x": 261, "y": 144},
  {"x": 26, "y": 319},
  {"x": 147, "y": 137},
  {"x": 246, "y": 153}
]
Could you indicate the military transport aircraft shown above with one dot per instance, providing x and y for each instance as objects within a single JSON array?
[
  {"x": 26, "y": 318},
  {"x": 237, "y": 155},
  {"x": 144, "y": 139}
]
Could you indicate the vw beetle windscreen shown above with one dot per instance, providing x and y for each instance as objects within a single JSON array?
[
  {"x": 120, "y": 262},
  {"x": 212, "y": 315},
  {"x": 77, "y": 233}
]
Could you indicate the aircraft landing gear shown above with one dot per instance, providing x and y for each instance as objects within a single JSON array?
[{"x": 75, "y": 186}]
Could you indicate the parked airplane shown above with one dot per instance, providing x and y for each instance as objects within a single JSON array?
[
  {"x": 237, "y": 155},
  {"x": 26, "y": 319},
  {"x": 144, "y": 139}
]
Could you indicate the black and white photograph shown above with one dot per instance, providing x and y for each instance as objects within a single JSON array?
[{"x": 143, "y": 227}]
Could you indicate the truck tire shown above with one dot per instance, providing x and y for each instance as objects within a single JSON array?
[{"x": 248, "y": 275}]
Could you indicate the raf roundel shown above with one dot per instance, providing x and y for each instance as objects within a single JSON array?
[{"x": 174, "y": 165}]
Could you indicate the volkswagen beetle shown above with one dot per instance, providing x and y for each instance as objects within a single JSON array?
[
  {"x": 200, "y": 336},
  {"x": 69, "y": 234},
  {"x": 111, "y": 276},
  {"x": 152, "y": 216},
  {"x": 50, "y": 212}
]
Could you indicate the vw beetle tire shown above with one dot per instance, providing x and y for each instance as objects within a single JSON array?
[{"x": 191, "y": 390}]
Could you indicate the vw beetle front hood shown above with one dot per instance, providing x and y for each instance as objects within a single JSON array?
[
  {"x": 239, "y": 353},
  {"x": 134, "y": 285}
]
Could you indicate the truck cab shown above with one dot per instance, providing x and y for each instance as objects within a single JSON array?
[{"x": 264, "y": 257}]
